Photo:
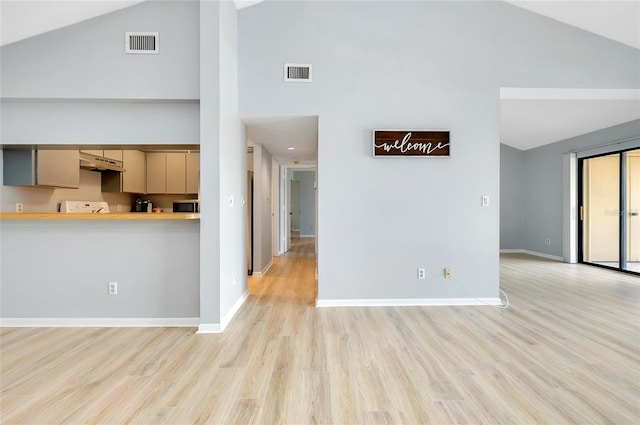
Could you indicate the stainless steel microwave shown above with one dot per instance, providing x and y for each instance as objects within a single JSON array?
[{"x": 186, "y": 206}]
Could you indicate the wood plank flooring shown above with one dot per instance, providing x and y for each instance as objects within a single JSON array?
[{"x": 565, "y": 352}]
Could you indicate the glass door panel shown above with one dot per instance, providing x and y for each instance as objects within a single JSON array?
[
  {"x": 601, "y": 211},
  {"x": 632, "y": 213}
]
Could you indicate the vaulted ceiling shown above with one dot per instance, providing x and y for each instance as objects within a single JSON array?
[{"x": 527, "y": 120}]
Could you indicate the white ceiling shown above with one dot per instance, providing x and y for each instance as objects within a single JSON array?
[
  {"x": 278, "y": 134},
  {"x": 526, "y": 122},
  {"x": 22, "y": 19},
  {"x": 534, "y": 117},
  {"x": 616, "y": 20}
]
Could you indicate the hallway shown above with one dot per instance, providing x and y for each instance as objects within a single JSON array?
[{"x": 291, "y": 279}]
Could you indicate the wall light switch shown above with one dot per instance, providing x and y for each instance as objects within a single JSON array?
[{"x": 485, "y": 201}]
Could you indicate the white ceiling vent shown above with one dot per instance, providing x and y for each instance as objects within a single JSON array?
[
  {"x": 141, "y": 43},
  {"x": 297, "y": 72}
]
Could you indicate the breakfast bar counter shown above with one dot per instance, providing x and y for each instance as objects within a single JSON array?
[{"x": 100, "y": 216}]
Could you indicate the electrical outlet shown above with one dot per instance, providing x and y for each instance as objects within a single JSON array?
[
  {"x": 548, "y": 241},
  {"x": 422, "y": 273},
  {"x": 113, "y": 288},
  {"x": 447, "y": 273},
  {"x": 19, "y": 207},
  {"x": 485, "y": 201}
]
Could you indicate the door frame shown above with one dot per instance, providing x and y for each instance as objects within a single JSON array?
[{"x": 622, "y": 207}]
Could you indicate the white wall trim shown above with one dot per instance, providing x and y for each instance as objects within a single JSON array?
[
  {"x": 307, "y": 236},
  {"x": 209, "y": 328},
  {"x": 264, "y": 271},
  {"x": 99, "y": 322},
  {"x": 234, "y": 309},
  {"x": 430, "y": 302},
  {"x": 534, "y": 253}
]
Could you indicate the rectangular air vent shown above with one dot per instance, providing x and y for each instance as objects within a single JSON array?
[
  {"x": 141, "y": 43},
  {"x": 297, "y": 72}
]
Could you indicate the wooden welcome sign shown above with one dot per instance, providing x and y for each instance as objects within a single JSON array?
[{"x": 410, "y": 143}]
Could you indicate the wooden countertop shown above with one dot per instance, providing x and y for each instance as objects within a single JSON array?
[{"x": 101, "y": 217}]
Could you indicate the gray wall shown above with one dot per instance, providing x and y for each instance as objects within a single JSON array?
[
  {"x": 95, "y": 122},
  {"x": 87, "y": 60},
  {"x": 210, "y": 193},
  {"x": 56, "y": 91},
  {"x": 55, "y": 269},
  {"x": 262, "y": 227},
  {"x": 543, "y": 174},
  {"x": 307, "y": 201},
  {"x": 233, "y": 171},
  {"x": 411, "y": 65},
  {"x": 512, "y": 196}
]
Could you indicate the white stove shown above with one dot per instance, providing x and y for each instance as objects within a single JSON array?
[{"x": 84, "y": 207}]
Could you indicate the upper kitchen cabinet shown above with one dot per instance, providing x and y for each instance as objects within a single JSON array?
[
  {"x": 156, "y": 172},
  {"x": 176, "y": 173},
  {"x": 45, "y": 168},
  {"x": 106, "y": 153},
  {"x": 193, "y": 172},
  {"x": 133, "y": 179},
  {"x": 172, "y": 173}
]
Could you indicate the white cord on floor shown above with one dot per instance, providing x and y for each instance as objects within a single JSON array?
[{"x": 501, "y": 307}]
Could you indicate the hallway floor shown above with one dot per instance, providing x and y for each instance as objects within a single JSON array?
[{"x": 565, "y": 351}]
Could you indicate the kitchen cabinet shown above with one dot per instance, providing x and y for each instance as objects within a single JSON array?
[
  {"x": 96, "y": 152},
  {"x": 114, "y": 154},
  {"x": 46, "y": 168},
  {"x": 156, "y": 172},
  {"x": 176, "y": 173},
  {"x": 133, "y": 179},
  {"x": 106, "y": 153},
  {"x": 193, "y": 172},
  {"x": 173, "y": 173}
]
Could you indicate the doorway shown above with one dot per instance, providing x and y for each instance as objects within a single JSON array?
[
  {"x": 294, "y": 210},
  {"x": 609, "y": 213}
]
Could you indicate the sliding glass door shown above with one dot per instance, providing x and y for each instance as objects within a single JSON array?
[
  {"x": 610, "y": 211},
  {"x": 632, "y": 217}
]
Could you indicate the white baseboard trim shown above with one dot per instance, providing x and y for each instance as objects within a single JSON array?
[
  {"x": 264, "y": 271},
  {"x": 100, "y": 322},
  {"x": 429, "y": 302},
  {"x": 534, "y": 253},
  {"x": 209, "y": 328},
  {"x": 234, "y": 309},
  {"x": 218, "y": 328}
]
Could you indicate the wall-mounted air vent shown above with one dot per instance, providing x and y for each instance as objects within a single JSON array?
[
  {"x": 297, "y": 72},
  {"x": 141, "y": 43}
]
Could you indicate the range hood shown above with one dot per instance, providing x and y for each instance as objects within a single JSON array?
[{"x": 99, "y": 163}]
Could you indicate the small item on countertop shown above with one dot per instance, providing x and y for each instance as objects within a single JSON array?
[
  {"x": 157, "y": 210},
  {"x": 149, "y": 207}
]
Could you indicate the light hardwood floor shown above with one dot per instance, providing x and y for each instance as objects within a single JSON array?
[{"x": 565, "y": 352}]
